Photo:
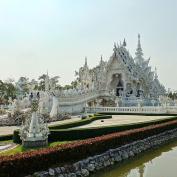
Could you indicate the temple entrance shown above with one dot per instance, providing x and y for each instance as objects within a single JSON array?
[
  {"x": 139, "y": 91},
  {"x": 129, "y": 90},
  {"x": 120, "y": 85}
]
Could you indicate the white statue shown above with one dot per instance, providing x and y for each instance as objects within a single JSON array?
[
  {"x": 34, "y": 132},
  {"x": 55, "y": 106}
]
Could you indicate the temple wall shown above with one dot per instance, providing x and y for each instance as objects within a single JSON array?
[{"x": 73, "y": 109}]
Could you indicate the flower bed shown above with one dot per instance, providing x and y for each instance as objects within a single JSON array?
[{"x": 29, "y": 162}]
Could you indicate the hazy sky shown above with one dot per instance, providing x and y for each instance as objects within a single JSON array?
[{"x": 56, "y": 35}]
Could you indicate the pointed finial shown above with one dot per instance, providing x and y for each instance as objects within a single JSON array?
[
  {"x": 101, "y": 60},
  {"x": 115, "y": 48},
  {"x": 101, "y": 57},
  {"x": 85, "y": 61},
  {"x": 139, "y": 42},
  {"x": 139, "y": 52},
  {"x": 124, "y": 43},
  {"x": 47, "y": 73},
  {"x": 114, "y": 45},
  {"x": 156, "y": 76}
]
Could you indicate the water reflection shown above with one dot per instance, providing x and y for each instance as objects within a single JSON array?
[{"x": 161, "y": 162}]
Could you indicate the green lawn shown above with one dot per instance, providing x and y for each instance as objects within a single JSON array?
[{"x": 21, "y": 149}]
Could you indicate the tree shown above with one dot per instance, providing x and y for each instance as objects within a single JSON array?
[
  {"x": 10, "y": 91},
  {"x": 34, "y": 85},
  {"x": 42, "y": 79},
  {"x": 23, "y": 84},
  {"x": 54, "y": 81},
  {"x": 74, "y": 84},
  {"x": 7, "y": 90},
  {"x": 172, "y": 95},
  {"x": 2, "y": 92}
]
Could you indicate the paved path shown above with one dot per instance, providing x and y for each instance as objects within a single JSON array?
[
  {"x": 123, "y": 119},
  {"x": 6, "y": 130}
]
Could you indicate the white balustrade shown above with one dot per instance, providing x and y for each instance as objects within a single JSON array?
[{"x": 148, "y": 109}]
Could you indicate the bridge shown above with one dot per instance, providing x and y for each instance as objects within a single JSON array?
[{"x": 75, "y": 103}]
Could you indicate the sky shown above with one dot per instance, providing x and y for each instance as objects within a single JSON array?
[{"x": 56, "y": 35}]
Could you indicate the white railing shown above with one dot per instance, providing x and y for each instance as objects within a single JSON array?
[
  {"x": 148, "y": 109},
  {"x": 172, "y": 109},
  {"x": 83, "y": 98}
]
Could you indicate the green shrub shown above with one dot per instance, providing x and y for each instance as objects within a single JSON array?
[
  {"x": 16, "y": 137},
  {"x": 85, "y": 121},
  {"x": 6, "y": 137},
  {"x": 84, "y": 133}
]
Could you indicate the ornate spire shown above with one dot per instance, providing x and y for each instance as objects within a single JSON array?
[
  {"x": 156, "y": 76},
  {"x": 47, "y": 82},
  {"x": 124, "y": 43},
  {"x": 139, "y": 52},
  {"x": 86, "y": 62},
  {"x": 101, "y": 58},
  {"x": 114, "y": 49}
]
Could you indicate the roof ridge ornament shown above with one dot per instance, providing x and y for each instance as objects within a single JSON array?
[
  {"x": 86, "y": 61},
  {"x": 101, "y": 59},
  {"x": 124, "y": 43},
  {"x": 156, "y": 76},
  {"x": 139, "y": 52}
]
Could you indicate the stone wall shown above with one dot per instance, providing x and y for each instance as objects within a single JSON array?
[{"x": 92, "y": 164}]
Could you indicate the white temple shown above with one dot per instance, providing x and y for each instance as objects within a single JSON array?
[
  {"x": 127, "y": 76},
  {"x": 120, "y": 81}
]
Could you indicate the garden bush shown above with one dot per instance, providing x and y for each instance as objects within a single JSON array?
[
  {"x": 6, "y": 137},
  {"x": 85, "y": 121},
  {"x": 84, "y": 133}
]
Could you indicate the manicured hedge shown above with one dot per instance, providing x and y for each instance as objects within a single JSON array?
[
  {"x": 6, "y": 137},
  {"x": 86, "y": 121},
  {"x": 83, "y": 133},
  {"x": 29, "y": 162},
  {"x": 16, "y": 137}
]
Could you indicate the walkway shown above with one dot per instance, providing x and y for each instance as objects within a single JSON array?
[
  {"x": 6, "y": 130},
  {"x": 123, "y": 119}
]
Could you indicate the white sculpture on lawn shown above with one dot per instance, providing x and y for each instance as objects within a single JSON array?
[{"x": 34, "y": 132}]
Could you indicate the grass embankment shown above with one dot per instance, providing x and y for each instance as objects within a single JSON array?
[{"x": 20, "y": 149}]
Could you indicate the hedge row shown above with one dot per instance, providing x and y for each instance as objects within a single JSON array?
[
  {"x": 85, "y": 121},
  {"x": 84, "y": 133},
  {"x": 6, "y": 137},
  {"x": 29, "y": 162}
]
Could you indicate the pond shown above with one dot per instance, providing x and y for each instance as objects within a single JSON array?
[{"x": 161, "y": 162}]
